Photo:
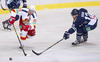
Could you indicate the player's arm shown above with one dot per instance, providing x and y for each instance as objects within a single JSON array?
[
  {"x": 33, "y": 21},
  {"x": 76, "y": 23},
  {"x": 24, "y": 3},
  {"x": 70, "y": 31}
]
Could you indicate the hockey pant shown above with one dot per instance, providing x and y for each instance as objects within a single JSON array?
[
  {"x": 92, "y": 27},
  {"x": 27, "y": 31},
  {"x": 83, "y": 31},
  {"x": 27, "y": 34}
]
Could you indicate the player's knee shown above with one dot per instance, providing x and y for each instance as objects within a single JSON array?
[
  {"x": 23, "y": 38},
  {"x": 23, "y": 35},
  {"x": 78, "y": 38},
  {"x": 31, "y": 33},
  {"x": 79, "y": 34}
]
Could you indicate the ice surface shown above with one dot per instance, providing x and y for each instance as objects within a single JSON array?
[{"x": 51, "y": 25}]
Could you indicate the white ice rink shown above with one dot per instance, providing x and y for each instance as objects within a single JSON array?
[{"x": 51, "y": 26}]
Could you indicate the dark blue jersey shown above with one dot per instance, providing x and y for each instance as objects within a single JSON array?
[
  {"x": 82, "y": 19},
  {"x": 15, "y": 3}
]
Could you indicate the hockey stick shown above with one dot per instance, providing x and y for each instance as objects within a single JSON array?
[
  {"x": 47, "y": 48},
  {"x": 19, "y": 41},
  {"x": 2, "y": 6}
]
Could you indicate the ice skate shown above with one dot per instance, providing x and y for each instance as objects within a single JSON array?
[
  {"x": 85, "y": 38},
  {"x": 76, "y": 42},
  {"x": 83, "y": 41},
  {"x": 6, "y": 25}
]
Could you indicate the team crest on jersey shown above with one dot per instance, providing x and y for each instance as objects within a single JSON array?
[{"x": 26, "y": 21}]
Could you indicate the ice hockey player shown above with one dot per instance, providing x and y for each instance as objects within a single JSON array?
[
  {"x": 27, "y": 23},
  {"x": 13, "y": 6},
  {"x": 82, "y": 23}
]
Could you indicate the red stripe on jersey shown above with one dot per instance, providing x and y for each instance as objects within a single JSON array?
[
  {"x": 14, "y": 10},
  {"x": 23, "y": 38}
]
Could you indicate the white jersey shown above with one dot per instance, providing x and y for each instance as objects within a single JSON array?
[
  {"x": 93, "y": 19},
  {"x": 24, "y": 14}
]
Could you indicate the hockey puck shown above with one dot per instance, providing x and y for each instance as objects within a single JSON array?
[
  {"x": 10, "y": 58},
  {"x": 28, "y": 55}
]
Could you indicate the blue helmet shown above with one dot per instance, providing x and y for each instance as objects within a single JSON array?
[
  {"x": 83, "y": 10},
  {"x": 74, "y": 12}
]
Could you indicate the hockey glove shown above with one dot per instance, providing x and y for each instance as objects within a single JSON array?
[{"x": 66, "y": 35}]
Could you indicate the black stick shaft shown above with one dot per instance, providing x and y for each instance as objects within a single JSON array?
[
  {"x": 19, "y": 40},
  {"x": 52, "y": 45}
]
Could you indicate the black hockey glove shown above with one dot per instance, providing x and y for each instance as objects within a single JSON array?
[
  {"x": 66, "y": 35},
  {"x": 24, "y": 1}
]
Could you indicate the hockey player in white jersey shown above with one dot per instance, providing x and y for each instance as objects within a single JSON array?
[{"x": 27, "y": 23}]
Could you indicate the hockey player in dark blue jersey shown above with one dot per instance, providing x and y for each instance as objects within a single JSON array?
[
  {"x": 13, "y": 5},
  {"x": 82, "y": 23}
]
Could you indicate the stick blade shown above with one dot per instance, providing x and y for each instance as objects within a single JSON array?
[{"x": 36, "y": 53}]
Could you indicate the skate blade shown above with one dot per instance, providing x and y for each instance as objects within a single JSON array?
[{"x": 7, "y": 30}]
